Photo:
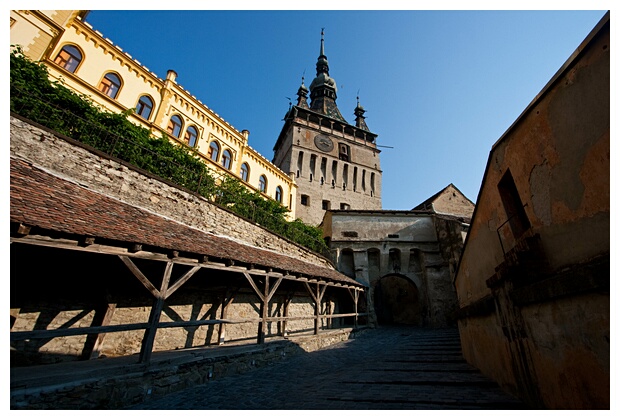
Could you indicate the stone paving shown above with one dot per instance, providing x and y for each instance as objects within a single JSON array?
[{"x": 388, "y": 368}]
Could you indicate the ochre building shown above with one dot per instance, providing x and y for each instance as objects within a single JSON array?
[
  {"x": 87, "y": 62},
  {"x": 335, "y": 164}
]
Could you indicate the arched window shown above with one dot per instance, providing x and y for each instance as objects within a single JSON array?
[
  {"x": 346, "y": 262},
  {"x": 226, "y": 159},
  {"x": 69, "y": 58},
  {"x": 191, "y": 135},
  {"x": 262, "y": 184},
  {"x": 110, "y": 85},
  {"x": 372, "y": 184},
  {"x": 279, "y": 194},
  {"x": 144, "y": 107},
  {"x": 245, "y": 172},
  {"x": 394, "y": 256},
  {"x": 175, "y": 125},
  {"x": 214, "y": 151}
]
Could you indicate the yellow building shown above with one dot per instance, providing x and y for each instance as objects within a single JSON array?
[{"x": 87, "y": 62}]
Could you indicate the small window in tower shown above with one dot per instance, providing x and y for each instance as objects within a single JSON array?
[
  {"x": 325, "y": 205},
  {"x": 345, "y": 206},
  {"x": 344, "y": 152},
  {"x": 305, "y": 200}
]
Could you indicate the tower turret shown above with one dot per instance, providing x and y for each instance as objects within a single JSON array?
[{"x": 323, "y": 88}]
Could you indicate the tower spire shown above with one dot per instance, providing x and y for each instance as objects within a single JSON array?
[{"x": 323, "y": 87}]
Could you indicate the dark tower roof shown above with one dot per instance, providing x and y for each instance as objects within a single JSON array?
[
  {"x": 323, "y": 88},
  {"x": 360, "y": 120},
  {"x": 302, "y": 95}
]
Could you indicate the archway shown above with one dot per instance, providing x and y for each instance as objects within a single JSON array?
[{"x": 397, "y": 301}]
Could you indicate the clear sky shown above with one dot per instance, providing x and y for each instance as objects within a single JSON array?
[{"x": 440, "y": 87}]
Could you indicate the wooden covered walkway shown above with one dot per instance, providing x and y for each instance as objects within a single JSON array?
[{"x": 52, "y": 217}]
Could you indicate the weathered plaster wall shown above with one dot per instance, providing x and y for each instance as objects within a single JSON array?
[
  {"x": 422, "y": 248},
  {"x": 451, "y": 201},
  {"x": 558, "y": 155},
  {"x": 535, "y": 305}
]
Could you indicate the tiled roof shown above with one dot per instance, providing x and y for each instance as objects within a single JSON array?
[{"x": 39, "y": 199}]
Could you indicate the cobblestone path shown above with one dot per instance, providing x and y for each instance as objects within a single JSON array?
[{"x": 387, "y": 368}]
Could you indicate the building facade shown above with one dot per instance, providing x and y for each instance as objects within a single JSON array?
[
  {"x": 335, "y": 164},
  {"x": 87, "y": 62},
  {"x": 534, "y": 278},
  {"x": 407, "y": 259}
]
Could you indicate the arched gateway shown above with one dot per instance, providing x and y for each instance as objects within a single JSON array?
[{"x": 396, "y": 300}]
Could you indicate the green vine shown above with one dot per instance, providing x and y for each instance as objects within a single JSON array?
[{"x": 49, "y": 103}]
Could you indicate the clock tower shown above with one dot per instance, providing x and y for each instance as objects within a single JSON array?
[{"x": 335, "y": 164}]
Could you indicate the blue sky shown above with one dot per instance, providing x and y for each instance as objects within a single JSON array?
[{"x": 440, "y": 87}]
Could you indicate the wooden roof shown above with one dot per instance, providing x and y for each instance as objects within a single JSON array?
[{"x": 51, "y": 204}]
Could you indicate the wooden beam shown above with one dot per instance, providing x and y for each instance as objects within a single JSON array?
[
  {"x": 182, "y": 280},
  {"x": 274, "y": 288},
  {"x": 173, "y": 254},
  {"x": 136, "y": 272},
  {"x": 356, "y": 299},
  {"x": 312, "y": 295},
  {"x": 149, "y": 335},
  {"x": 94, "y": 342},
  {"x": 251, "y": 281},
  {"x": 14, "y": 315},
  {"x": 86, "y": 241},
  {"x": 126, "y": 251},
  {"x": 23, "y": 229},
  {"x": 322, "y": 291},
  {"x": 264, "y": 307}
]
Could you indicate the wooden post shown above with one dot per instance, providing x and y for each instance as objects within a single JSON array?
[
  {"x": 151, "y": 330},
  {"x": 14, "y": 316},
  {"x": 264, "y": 297},
  {"x": 264, "y": 306},
  {"x": 317, "y": 311},
  {"x": 94, "y": 342},
  {"x": 355, "y": 296},
  {"x": 318, "y": 296},
  {"x": 356, "y": 299}
]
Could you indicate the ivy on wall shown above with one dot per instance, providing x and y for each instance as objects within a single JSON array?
[{"x": 49, "y": 103}]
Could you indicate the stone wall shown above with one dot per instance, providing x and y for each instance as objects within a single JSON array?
[
  {"x": 79, "y": 290},
  {"x": 384, "y": 246},
  {"x": 68, "y": 159}
]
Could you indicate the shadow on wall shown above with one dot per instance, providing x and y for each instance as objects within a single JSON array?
[{"x": 67, "y": 290}]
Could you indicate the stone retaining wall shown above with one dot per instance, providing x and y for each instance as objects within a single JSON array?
[{"x": 71, "y": 160}]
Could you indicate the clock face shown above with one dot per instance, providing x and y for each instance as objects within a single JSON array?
[{"x": 323, "y": 143}]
